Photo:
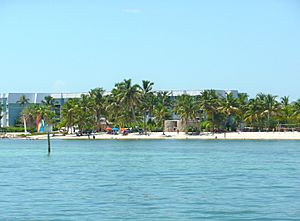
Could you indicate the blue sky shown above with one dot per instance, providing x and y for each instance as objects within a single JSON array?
[{"x": 73, "y": 46}]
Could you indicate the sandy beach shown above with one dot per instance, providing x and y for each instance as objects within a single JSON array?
[{"x": 174, "y": 136}]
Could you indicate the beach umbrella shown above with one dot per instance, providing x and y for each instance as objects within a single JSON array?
[
  {"x": 108, "y": 128},
  {"x": 115, "y": 128}
]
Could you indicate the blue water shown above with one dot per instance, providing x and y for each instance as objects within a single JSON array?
[{"x": 150, "y": 180}]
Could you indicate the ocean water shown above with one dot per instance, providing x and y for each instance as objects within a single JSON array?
[{"x": 150, "y": 180}]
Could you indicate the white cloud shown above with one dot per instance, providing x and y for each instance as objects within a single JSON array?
[{"x": 132, "y": 10}]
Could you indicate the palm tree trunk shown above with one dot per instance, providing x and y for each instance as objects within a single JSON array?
[
  {"x": 185, "y": 126},
  {"x": 145, "y": 124},
  {"x": 200, "y": 125},
  {"x": 213, "y": 122},
  {"x": 133, "y": 114},
  {"x": 25, "y": 127},
  {"x": 268, "y": 120}
]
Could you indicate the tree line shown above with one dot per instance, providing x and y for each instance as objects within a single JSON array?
[{"x": 139, "y": 106}]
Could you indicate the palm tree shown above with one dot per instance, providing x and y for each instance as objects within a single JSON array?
[
  {"x": 286, "y": 110},
  {"x": 27, "y": 115},
  {"x": 48, "y": 101},
  {"x": 242, "y": 102},
  {"x": 97, "y": 105},
  {"x": 146, "y": 100},
  {"x": 209, "y": 103},
  {"x": 69, "y": 113},
  {"x": 128, "y": 96},
  {"x": 199, "y": 111},
  {"x": 229, "y": 107},
  {"x": 161, "y": 113},
  {"x": 162, "y": 108},
  {"x": 23, "y": 101},
  {"x": 253, "y": 113},
  {"x": 296, "y": 110},
  {"x": 271, "y": 107},
  {"x": 84, "y": 113},
  {"x": 186, "y": 108}
]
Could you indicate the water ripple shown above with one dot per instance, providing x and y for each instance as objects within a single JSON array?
[{"x": 150, "y": 180}]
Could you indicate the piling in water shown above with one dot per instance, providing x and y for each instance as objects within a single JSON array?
[{"x": 49, "y": 148}]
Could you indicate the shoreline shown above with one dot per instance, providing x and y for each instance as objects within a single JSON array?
[{"x": 170, "y": 136}]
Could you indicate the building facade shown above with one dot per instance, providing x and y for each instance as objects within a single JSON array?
[{"x": 11, "y": 110}]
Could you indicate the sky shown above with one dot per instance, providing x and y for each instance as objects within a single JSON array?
[{"x": 73, "y": 46}]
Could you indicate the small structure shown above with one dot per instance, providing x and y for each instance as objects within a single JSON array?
[{"x": 173, "y": 125}]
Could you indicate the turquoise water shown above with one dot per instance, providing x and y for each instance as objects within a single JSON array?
[{"x": 150, "y": 180}]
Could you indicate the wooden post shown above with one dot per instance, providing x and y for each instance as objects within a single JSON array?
[{"x": 49, "y": 148}]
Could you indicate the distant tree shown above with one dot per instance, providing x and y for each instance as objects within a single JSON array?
[
  {"x": 286, "y": 112},
  {"x": 296, "y": 111},
  {"x": 97, "y": 105},
  {"x": 162, "y": 108},
  {"x": 242, "y": 102},
  {"x": 127, "y": 97},
  {"x": 29, "y": 114},
  {"x": 186, "y": 108},
  {"x": 146, "y": 101},
  {"x": 23, "y": 101},
  {"x": 209, "y": 103},
  {"x": 69, "y": 113},
  {"x": 271, "y": 108},
  {"x": 229, "y": 107}
]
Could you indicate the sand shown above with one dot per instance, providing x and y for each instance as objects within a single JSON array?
[{"x": 182, "y": 136}]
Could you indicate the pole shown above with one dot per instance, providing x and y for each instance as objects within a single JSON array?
[{"x": 49, "y": 148}]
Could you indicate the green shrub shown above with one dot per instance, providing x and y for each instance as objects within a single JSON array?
[{"x": 13, "y": 129}]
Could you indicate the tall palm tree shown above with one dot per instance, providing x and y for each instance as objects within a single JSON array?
[
  {"x": 253, "y": 113},
  {"x": 23, "y": 101},
  {"x": 163, "y": 106},
  {"x": 209, "y": 103},
  {"x": 129, "y": 96},
  {"x": 186, "y": 108},
  {"x": 242, "y": 102},
  {"x": 28, "y": 114},
  {"x": 271, "y": 107},
  {"x": 286, "y": 110},
  {"x": 146, "y": 100},
  {"x": 51, "y": 105},
  {"x": 48, "y": 101},
  {"x": 229, "y": 107},
  {"x": 84, "y": 113},
  {"x": 199, "y": 111},
  {"x": 161, "y": 113},
  {"x": 69, "y": 113},
  {"x": 97, "y": 105},
  {"x": 296, "y": 111}
]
